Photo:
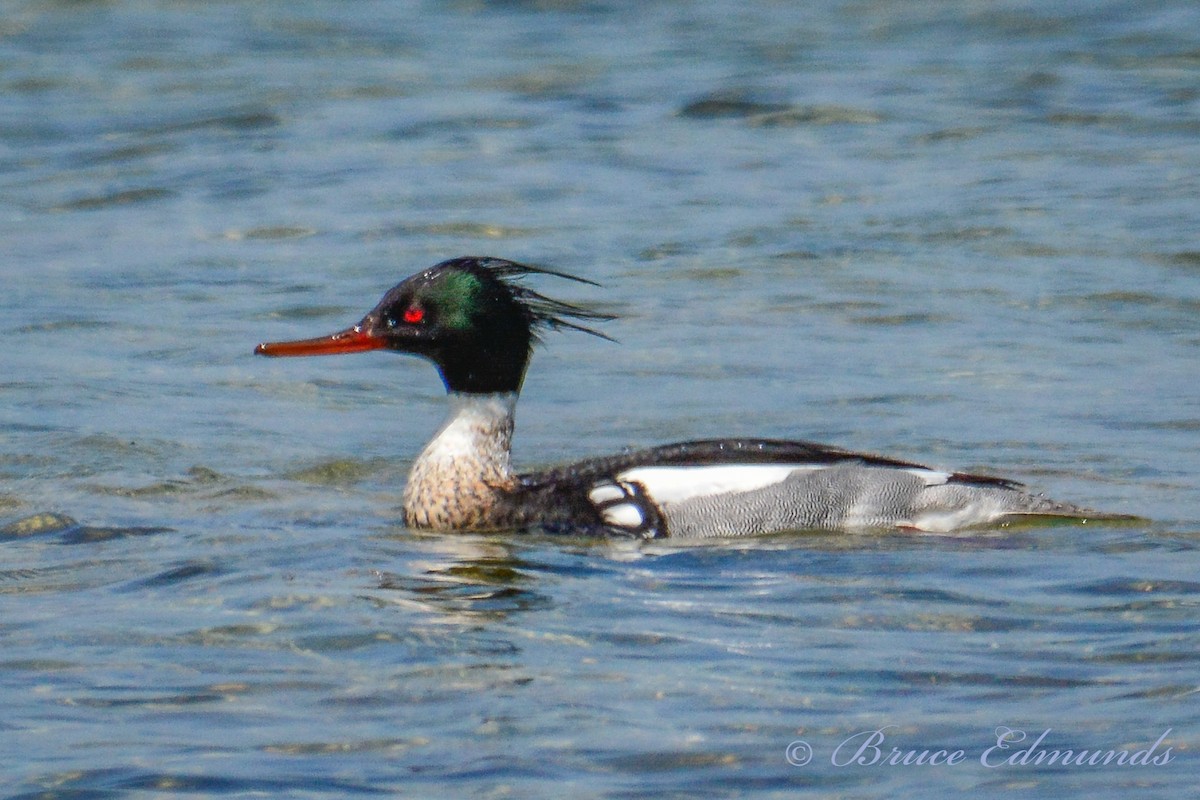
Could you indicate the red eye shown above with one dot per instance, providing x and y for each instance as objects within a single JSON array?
[{"x": 414, "y": 314}]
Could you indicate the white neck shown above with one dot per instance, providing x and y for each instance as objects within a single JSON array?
[
  {"x": 478, "y": 430},
  {"x": 460, "y": 477}
]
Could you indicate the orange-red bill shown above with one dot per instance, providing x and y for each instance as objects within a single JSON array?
[{"x": 351, "y": 340}]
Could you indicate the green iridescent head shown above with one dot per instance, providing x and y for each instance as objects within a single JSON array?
[{"x": 470, "y": 316}]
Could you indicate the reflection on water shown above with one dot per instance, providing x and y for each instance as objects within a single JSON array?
[{"x": 463, "y": 580}]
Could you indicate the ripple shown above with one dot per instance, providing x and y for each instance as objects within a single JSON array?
[
  {"x": 1187, "y": 259},
  {"x": 123, "y": 197},
  {"x": 337, "y": 472},
  {"x": 758, "y": 113},
  {"x": 37, "y": 525},
  {"x": 461, "y": 125},
  {"x": 906, "y": 319},
  {"x": 177, "y": 575},
  {"x": 726, "y": 104},
  {"x": 200, "y": 483},
  {"x": 1136, "y": 587},
  {"x": 331, "y": 748},
  {"x": 123, "y": 153},
  {"x": 109, "y": 782},
  {"x": 270, "y": 233},
  {"x": 815, "y": 115},
  {"x": 470, "y": 230},
  {"x": 233, "y": 121},
  {"x": 91, "y": 534}
]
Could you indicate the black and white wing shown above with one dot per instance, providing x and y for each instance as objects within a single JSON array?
[{"x": 739, "y": 487}]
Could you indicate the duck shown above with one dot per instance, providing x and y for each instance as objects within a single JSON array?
[{"x": 477, "y": 321}]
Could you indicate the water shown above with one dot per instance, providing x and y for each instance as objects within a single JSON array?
[{"x": 959, "y": 233}]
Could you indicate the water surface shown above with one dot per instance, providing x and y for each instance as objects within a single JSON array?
[{"x": 958, "y": 233}]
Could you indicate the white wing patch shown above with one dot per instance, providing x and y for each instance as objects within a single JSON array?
[
  {"x": 606, "y": 493},
  {"x": 621, "y": 505},
  {"x": 623, "y": 515},
  {"x": 932, "y": 477},
  {"x": 677, "y": 484}
]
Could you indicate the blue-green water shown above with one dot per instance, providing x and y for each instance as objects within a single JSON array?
[{"x": 961, "y": 233}]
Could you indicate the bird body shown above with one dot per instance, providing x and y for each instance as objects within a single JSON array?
[{"x": 476, "y": 321}]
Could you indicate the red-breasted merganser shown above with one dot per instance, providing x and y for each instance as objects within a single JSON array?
[{"x": 477, "y": 323}]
